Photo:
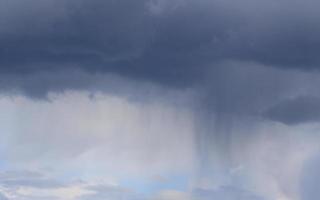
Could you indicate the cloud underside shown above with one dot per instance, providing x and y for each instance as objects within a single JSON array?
[
  {"x": 170, "y": 43},
  {"x": 53, "y": 46},
  {"x": 301, "y": 109}
]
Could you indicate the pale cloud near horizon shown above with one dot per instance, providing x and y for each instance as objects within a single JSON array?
[
  {"x": 108, "y": 138},
  {"x": 96, "y": 130},
  {"x": 95, "y": 137}
]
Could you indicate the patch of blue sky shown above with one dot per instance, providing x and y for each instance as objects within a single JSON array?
[
  {"x": 3, "y": 162},
  {"x": 3, "y": 159}
]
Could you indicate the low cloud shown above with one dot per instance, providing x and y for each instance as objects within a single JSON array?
[
  {"x": 296, "y": 110},
  {"x": 112, "y": 132},
  {"x": 111, "y": 192},
  {"x": 225, "y": 193}
]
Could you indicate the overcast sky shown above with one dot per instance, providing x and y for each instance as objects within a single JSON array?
[{"x": 159, "y": 100}]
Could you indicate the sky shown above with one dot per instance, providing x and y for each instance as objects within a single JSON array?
[{"x": 159, "y": 100}]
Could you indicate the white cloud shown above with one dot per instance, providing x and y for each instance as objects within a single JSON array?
[
  {"x": 172, "y": 195},
  {"x": 112, "y": 137},
  {"x": 102, "y": 134},
  {"x": 273, "y": 158}
]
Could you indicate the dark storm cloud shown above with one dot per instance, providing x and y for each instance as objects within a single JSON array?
[
  {"x": 167, "y": 43},
  {"x": 297, "y": 110},
  {"x": 56, "y": 45}
]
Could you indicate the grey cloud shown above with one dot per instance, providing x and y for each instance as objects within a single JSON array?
[
  {"x": 297, "y": 110},
  {"x": 204, "y": 45},
  {"x": 34, "y": 197},
  {"x": 9, "y": 175},
  {"x": 240, "y": 58},
  {"x": 15, "y": 179},
  {"x": 111, "y": 192},
  {"x": 235, "y": 97},
  {"x": 38, "y": 183},
  {"x": 222, "y": 193},
  {"x": 225, "y": 193},
  {"x": 173, "y": 47}
]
